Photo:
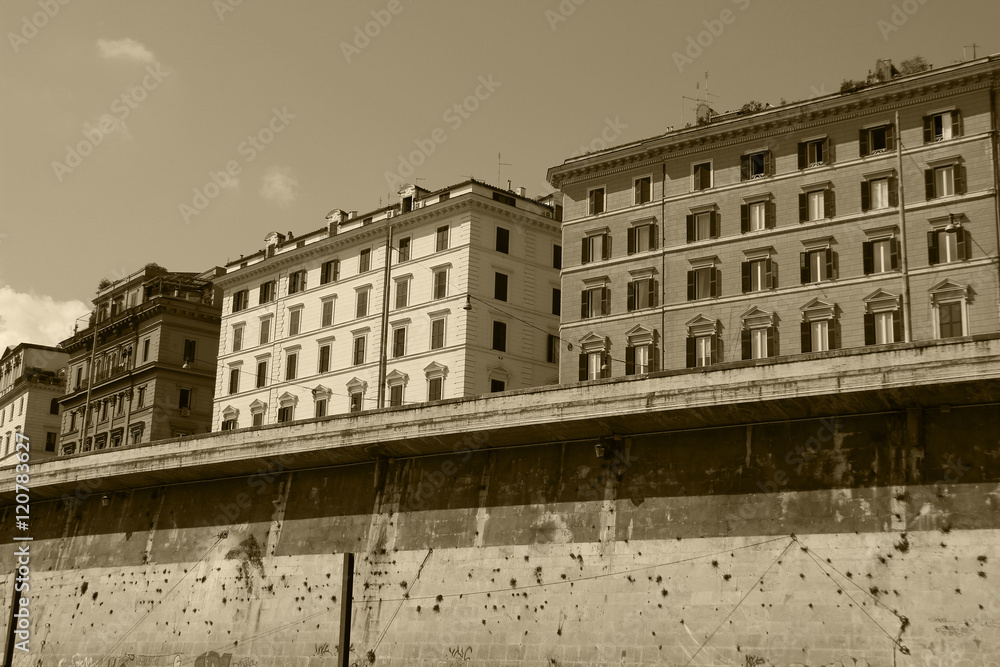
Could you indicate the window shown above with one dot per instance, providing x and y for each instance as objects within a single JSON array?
[
  {"x": 294, "y": 321},
  {"x": 291, "y": 365},
  {"x": 500, "y": 336},
  {"x": 441, "y": 239},
  {"x": 816, "y": 205},
  {"x": 593, "y": 365},
  {"x": 504, "y": 199},
  {"x": 145, "y": 358},
  {"x": 702, "y": 343},
  {"x": 229, "y": 424},
  {"x": 237, "y": 338},
  {"x": 500, "y": 286},
  {"x": 261, "y": 373},
  {"x": 816, "y": 266},
  {"x": 296, "y": 281},
  {"x": 641, "y": 238},
  {"x": 641, "y": 294},
  {"x": 50, "y": 441},
  {"x": 703, "y": 283},
  {"x": 944, "y": 181},
  {"x": 819, "y": 330},
  {"x": 240, "y": 299},
  {"x": 552, "y": 349},
  {"x": 135, "y": 434},
  {"x": 266, "y": 292},
  {"x": 324, "y": 358},
  {"x": 876, "y": 140},
  {"x": 595, "y": 201},
  {"x": 357, "y": 401},
  {"x": 359, "y": 351},
  {"x": 398, "y": 342},
  {"x": 265, "y": 330},
  {"x": 702, "y": 176},
  {"x": 189, "y": 350},
  {"x": 596, "y": 247},
  {"x": 879, "y": 193},
  {"x": 883, "y": 327},
  {"x": 880, "y": 255},
  {"x": 556, "y": 256},
  {"x": 184, "y": 399},
  {"x": 819, "y": 336},
  {"x": 327, "y": 313},
  {"x": 556, "y": 301},
  {"x": 395, "y": 395},
  {"x": 234, "y": 380},
  {"x": 503, "y": 240},
  {"x": 701, "y": 226},
  {"x": 72, "y": 421},
  {"x": 595, "y": 302},
  {"x": 286, "y": 414},
  {"x": 756, "y": 165},
  {"x": 435, "y": 387},
  {"x": 758, "y": 342},
  {"x": 756, "y": 216},
  {"x": 947, "y": 245},
  {"x": 639, "y": 358},
  {"x": 757, "y": 275},
  {"x": 440, "y": 283},
  {"x": 949, "y": 319},
  {"x": 641, "y": 190},
  {"x": 814, "y": 153},
  {"x": 437, "y": 333},
  {"x": 361, "y": 305},
  {"x": 942, "y": 126},
  {"x": 329, "y": 272},
  {"x": 365, "y": 260},
  {"x": 321, "y": 407},
  {"x": 140, "y": 398},
  {"x": 258, "y": 419},
  {"x": 20, "y": 406},
  {"x": 497, "y": 385},
  {"x": 402, "y": 293},
  {"x": 403, "y": 250},
  {"x": 54, "y": 406}
]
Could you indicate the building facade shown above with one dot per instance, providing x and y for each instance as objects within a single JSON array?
[
  {"x": 321, "y": 324},
  {"x": 812, "y": 226},
  {"x": 152, "y": 371},
  {"x": 31, "y": 381}
]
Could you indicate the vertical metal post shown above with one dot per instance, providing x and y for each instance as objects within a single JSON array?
[
  {"x": 903, "y": 263},
  {"x": 346, "y": 602},
  {"x": 384, "y": 330}
]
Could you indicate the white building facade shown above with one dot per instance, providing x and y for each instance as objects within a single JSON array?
[
  {"x": 316, "y": 325},
  {"x": 31, "y": 382}
]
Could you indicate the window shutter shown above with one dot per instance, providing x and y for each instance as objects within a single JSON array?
[
  {"x": 831, "y": 335},
  {"x": 829, "y": 203},
  {"x": 714, "y": 286},
  {"x": 713, "y": 224},
  {"x": 956, "y": 123},
  {"x": 690, "y": 228},
  {"x": 803, "y": 207},
  {"x": 803, "y": 155},
  {"x": 929, "y": 183},
  {"x": 583, "y": 305},
  {"x": 631, "y": 240},
  {"x": 744, "y": 167},
  {"x": 828, "y": 253},
  {"x": 827, "y": 151},
  {"x": 868, "y": 257},
  {"x": 629, "y": 360},
  {"x": 605, "y": 246},
  {"x": 652, "y": 292},
  {"x": 745, "y": 268},
  {"x": 605, "y": 365},
  {"x": 803, "y": 267},
  {"x": 631, "y": 296},
  {"x": 961, "y": 243},
  {"x": 716, "y": 351},
  {"x": 697, "y": 177},
  {"x": 865, "y": 196},
  {"x": 653, "y": 231},
  {"x": 806, "y": 335},
  {"x": 768, "y": 164},
  {"x": 768, "y": 274},
  {"x": 870, "y": 328},
  {"x": 744, "y": 218},
  {"x": 336, "y": 269},
  {"x": 692, "y": 295},
  {"x": 897, "y": 327},
  {"x": 771, "y": 342},
  {"x": 654, "y": 358},
  {"x": 262, "y": 292},
  {"x": 605, "y": 301},
  {"x": 959, "y": 171},
  {"x": 893, "y": 192},
  {"x": 928, "y": 129},
  {"x": 745, "y": 339},
  {"x": 890, "y": 138},
  {"x": 769, "y": 210},
  {"x": 691, "y": 360},
  {"x": 863, "y": 143},
  {"x": 932, "y": 248},
  {"x": 585, "y": 254},
  {"x": 894, "y": 253},
  {"x": 583, "y": 366}
]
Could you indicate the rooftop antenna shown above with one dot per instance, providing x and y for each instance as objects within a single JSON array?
[
  {"x": 973, "y": 45},
  {"x": 499, "y": 165},
  {"x": 702, "y": 102}
]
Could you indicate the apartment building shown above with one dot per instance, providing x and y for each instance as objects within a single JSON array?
[
  {"x": 812, "y": 226},
  {"x": 144, "y": 367},
  {"x": 440, "y": 295},
  {"x": 31, "y": 381}
]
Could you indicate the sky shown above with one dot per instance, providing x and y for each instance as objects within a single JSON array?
[{"x": 183, "y": 132}]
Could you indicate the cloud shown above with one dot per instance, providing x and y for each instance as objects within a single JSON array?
[
  {"x": 279, "y": 186},
  {"x": 35, "y": 318},
  {"x": 126, "y": 48}
]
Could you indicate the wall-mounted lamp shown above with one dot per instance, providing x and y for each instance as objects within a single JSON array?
[
  {"x": 599, "y": 450},
  {"x": 105, "y": 500},
  {"x": 468, "y": 303}
]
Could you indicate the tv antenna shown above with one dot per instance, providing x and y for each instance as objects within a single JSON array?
[
  {"x": 702, "y": 105},
  {"x": 973, "y": 46},
  {"x": 499, "y": 165}
]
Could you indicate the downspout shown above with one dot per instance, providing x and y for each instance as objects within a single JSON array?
[
  {"x": 996, "y": 175},
  {"x": 131, "y": 383},
  {"x": 385, "y": 317},
  {"x": 90, "y": 385},
  {"x": 663, "y": 264},
  {"x": 903, "y": 262}
]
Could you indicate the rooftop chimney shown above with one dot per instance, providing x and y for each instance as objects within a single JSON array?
[{"x": 522, "y": 192}]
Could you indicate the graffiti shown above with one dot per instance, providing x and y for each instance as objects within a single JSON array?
[
  {"x": 78, "y": 661},
  {"x": 247, "y": 662},
  {"x": 843, "y": 662},
  {"x": 460, "y": 655},
  {"x": 322, "y": 649},
  {"x": 213, "y": 659},
  {"x": 754, "y": 661},
  {"x": 122, "y": 660}
]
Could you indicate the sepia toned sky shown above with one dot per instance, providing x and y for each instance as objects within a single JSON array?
[{"x": 183, "y": 132}]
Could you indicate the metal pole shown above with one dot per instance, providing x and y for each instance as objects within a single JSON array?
[
  {"x": 903, "y": 264},
  {"x": 346, "y": 602},
  {"x": 382, "y": 363}
]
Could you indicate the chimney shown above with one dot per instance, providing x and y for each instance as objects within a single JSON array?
[
  {"x": 352, "y": 215},
  {"x": 522, "y": 192}
]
